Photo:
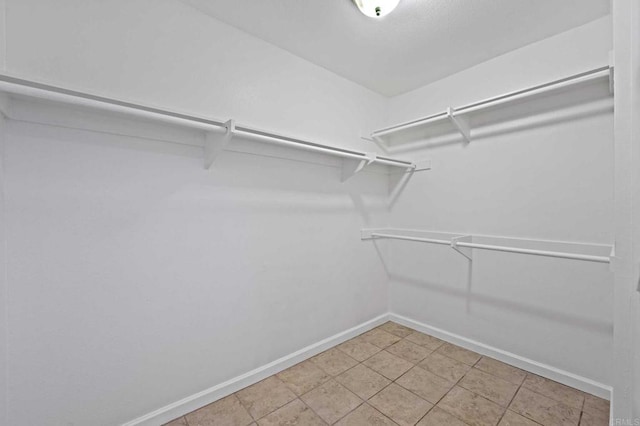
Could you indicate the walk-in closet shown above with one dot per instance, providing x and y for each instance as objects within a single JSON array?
[{"x": 319, "y": 212}]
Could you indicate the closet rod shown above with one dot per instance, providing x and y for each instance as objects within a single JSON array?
[
  {"x": 496, "y": 100},
  {"x": 562, "y": 255},
  {"x": 31, "y": 88},
  {"x": 546, "y": 253},
  {"x": 310, "y": 146},
  {"x": 420, "y": 240}
]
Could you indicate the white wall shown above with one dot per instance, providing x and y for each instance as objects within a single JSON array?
[
  {"x": 135, "y": 277},
  {"x": 549, "y": 179},
  {"x": 166, "y": 53},
  {"x": 3, "y": 285}
]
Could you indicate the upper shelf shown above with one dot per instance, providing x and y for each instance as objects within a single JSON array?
[
  {"x": 457, "y": 119},
  {"x": 218, "y": 133}
]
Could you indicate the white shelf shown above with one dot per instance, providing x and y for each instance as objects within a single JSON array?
[
  {"x": 463, "y": 244},
  {"x": 219, "y": 134},
  {"x": 457, "y": 119}
]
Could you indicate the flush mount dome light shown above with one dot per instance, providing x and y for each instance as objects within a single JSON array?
[{"x": 376, "y": 8}]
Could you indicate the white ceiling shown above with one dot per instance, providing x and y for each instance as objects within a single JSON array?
[{"x": 418, "y": 43}]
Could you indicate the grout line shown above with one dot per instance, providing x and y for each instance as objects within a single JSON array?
[
  {"x": 512, "y": 398},
  {"x": 332, "y": 377},
  {"x": 366, "y": 401},
  {"x": 351, "y": 411},
  {"x": 456, "y": 383},
  {"x": 416, "y": 365}
]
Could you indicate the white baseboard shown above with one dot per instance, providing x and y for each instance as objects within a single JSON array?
[
  {"x": 561, "y": 376},
  {"x": 207, "y": 396}
]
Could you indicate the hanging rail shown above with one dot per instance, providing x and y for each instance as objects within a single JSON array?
[
  {"x": 562, "y": 255},
  {"x": 310, "y": 146},
  {"x": 592, "y": 74},
  {"x": 19, "y": 86},
  {"x": 417, "y": 239},
  {"x": 457, "y": 242}
]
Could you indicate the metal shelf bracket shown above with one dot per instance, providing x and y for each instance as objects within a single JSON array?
[
  {"x": 460, "y": 123},
  {"x": 350, "y": 167},
  {"x": 465, "y": 251},
  {"x": 215, "y": 143},
  {"x": 611, "y": 72}
]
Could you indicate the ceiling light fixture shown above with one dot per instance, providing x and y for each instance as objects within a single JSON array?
[{"x": 376, "y": 8}]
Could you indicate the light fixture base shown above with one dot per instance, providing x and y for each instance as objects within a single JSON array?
[{"x": 376, "y": 8}]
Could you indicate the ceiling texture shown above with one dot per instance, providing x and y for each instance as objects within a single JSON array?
[{"x": 420, "y": 42}]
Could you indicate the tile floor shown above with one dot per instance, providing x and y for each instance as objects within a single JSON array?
[{"x": 393, "y": 375}]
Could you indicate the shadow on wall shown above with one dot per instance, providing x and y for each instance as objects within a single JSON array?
[
  {"x": 249, "y": 175},
  {"x": 603, "y": 327},
  {"x": 593, "y": 99}
]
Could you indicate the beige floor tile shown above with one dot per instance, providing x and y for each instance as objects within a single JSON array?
[
  {"x": 425, "y": 340},
  {"x": 397, "y": 329},
  {"x": 177, "y": 422},
  {"x": 425, "y": 384},
  {"x": 501, "y": 370},
  {"x": 334, "y": 361},
  {"x": 365, "y": 415},
  {"x": 512, "y": 419},
  {"x": 595, "y": 405},
  {"x": 331, "y": 401},
  {"x": 471, "y": 408},
  {"x": 303, "y": 377},
  {"x": 362, "y": 381},
  {"x": 390, "y": 366},
  {"x": 226, "y": 411},
  {"x": 597, "y": 419},
  {"x": 294, "y": 413},
  {"x": 400, "y": 405},
  {"x": 264, "y": 397},
  {"x": 359, "y": 349},
  {"x": 554, "y": 390},
  {"x": 439, "y": 417},
  {"x": 543, "y": 410},
  {"x": 459, "y": 354},
  {"x": 444, "y": 367},
  {"x": 491, "y": 387},
  {"x": 409, "y": 351},
  {"x": 379, "y": 338}
]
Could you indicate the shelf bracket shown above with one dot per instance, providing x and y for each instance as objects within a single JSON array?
[
  {"x": 613, "y": 260},
  {"x": 365, "y": 234},
  {"x": 350, "y": 167},
  {"x": 462, "y": 124},
  {"x": 465, "y": 251},
  {"x": 611, "y": 72},
  {"x": 215, "y": 143},
  {"x": 421, "y": 165}
]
